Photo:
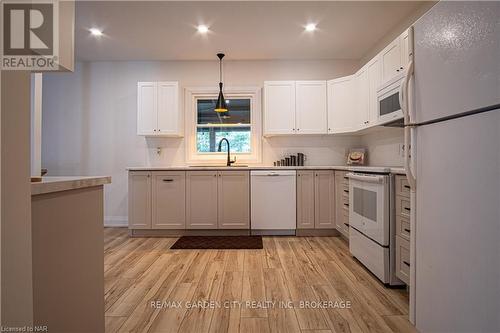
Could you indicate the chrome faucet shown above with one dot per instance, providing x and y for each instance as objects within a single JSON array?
[{"x": 229, "y": 162}]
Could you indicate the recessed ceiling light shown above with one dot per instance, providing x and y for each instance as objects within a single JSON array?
[
  {"x": 203, "y": 29},
  {"x": 311, "y": 27},
  {"x": 95, "y": 32}
]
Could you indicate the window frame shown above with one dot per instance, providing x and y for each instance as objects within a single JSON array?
[{"x": 192, "y": 95}]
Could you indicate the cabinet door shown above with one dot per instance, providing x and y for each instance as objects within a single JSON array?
[
  {"x": 168, "y": 200},
  {"x": 168, "y": 109},
  {"x": 311, "y": 111},
  {"x": 405, "y": 50},
  {"x": 147, "y": 108},
  {"x": 139, "y": 200},
  {"x": 279, "y": 107},
  {"x": 391, "y": 60},
  {"x": 201, "y": 200},
  {"x": 305, "y": 199},
  {"x": 324, "y": 199},
  {"x": 362, "y": 114},
  {"x": 374, "y": 80},
  {"x": 234, "y": 200},
  {"x": 341, "y": 104}
]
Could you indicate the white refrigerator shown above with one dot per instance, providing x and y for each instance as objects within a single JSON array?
[{"x": 451, "y": 101}]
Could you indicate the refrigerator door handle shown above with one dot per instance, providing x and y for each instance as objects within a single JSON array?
[{"x": 405, "y": 107}]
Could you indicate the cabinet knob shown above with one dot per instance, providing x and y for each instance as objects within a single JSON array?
[
  {"x": 397, "y": 70},
  {"x": 401, "y": 67}
]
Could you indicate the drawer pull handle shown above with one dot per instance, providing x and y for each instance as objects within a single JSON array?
[
  {"x": 407, "y": 186},
  {"x": 406, "y": 263},
  {"x": 346, "y": 191},
  {"x": 347, "y": 205},
  {"x": 406, "y": 208},
  {"x": 346, "y": 177},
  {"x": 346, "y": 224},
  {"x": 168, "y": 180},
  {"x": 407, "y": 230}
]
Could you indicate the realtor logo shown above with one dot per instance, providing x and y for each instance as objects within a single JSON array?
[{"x": 29, "y": 35}]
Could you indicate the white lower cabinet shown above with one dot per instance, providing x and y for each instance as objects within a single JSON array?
[
  {"x": 305, "y": 199},
  {"x": 233, "y": 200},
  {"x": 315, "y": 199},
  {"x": 169, "y": 200},
  {"x": 201, "y": 200},
  {"x": 139, "y": 199},
  {"x": 324, "y": 199},
  {"x": 189, "y": 200}
]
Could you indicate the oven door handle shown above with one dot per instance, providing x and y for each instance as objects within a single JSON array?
[{"x": 366, "y": 178}]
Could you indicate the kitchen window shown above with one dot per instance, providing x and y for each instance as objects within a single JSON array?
[
  {"x": 234, "y": 125},
  {"x": 241, "y": 125}
]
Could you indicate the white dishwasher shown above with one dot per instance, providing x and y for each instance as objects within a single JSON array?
[{"x": 273, "y": 202}]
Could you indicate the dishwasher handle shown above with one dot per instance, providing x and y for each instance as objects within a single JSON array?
[{"x": 379, "y": 179}]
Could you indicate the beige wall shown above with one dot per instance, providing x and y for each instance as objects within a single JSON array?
[
  {"x": 17, "y": 293},
  {"x": 396, "y": 31},
  {"x": 89, "y": 117}
]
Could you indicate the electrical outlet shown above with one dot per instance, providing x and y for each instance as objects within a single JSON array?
[{"x": 401, "y": 150}]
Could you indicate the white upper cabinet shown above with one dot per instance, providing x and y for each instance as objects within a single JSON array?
[
  {"x": 391, "y": 60},
  {"x": 362, "y": 115},
  {"x": 158, "y": 109},
  {"x": 279, "y": 107},
  {"x": 342, "y": 113},
  {"x": 147, "y": 93},
  {"x": 405, "y": 49},
  {"x": 311, "y": 111},
  {"x": 295, "y": 107},
  {"x": 374, "y": 71},
  {"x": 168, "y": 108}
]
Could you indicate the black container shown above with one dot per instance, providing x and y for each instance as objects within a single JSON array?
[
  {"x": 293, "y": 160},
  {"x": 287, "y": 161},
  {"x": 277, "y": 163},
  {"x": 283, "y": 162},
  {"x": 300, "y": 159}
]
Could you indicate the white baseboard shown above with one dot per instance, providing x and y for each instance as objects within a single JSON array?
[{"x": 115, "y": 221}]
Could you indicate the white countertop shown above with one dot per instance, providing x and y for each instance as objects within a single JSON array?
[
  {"x": 58, "y": 184},
  {"x": 379, "y": 169}
]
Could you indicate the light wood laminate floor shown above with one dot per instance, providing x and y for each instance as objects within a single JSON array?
[{"x": 139, "y": 271}]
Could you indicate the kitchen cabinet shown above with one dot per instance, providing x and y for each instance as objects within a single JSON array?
[
  {"x": 403, "y": 229},
  {"x": 139, "y": 199},
  {"x": 405, "y": 49},
  {"x": 279, "y": 107},
  {"x": 158, "y": 111},
  {"x": 324, "y": 199},
  {"x": 311, "y": 109},
  {"x": 201, "y": 199},
  {"x": 362, "y": 114},
  {"x": 341, "y": 105},
  {"x": 374, "y": 70},
  {"x": 391, "y": 60},
  {"x": 305, "y": 199},
  {"x": 233, "y": 200},
  {"x": 168, "y": 200},
  {"x": 342, "y": 202},
  {"x": 295, "y": 107},
  {"x": 315, "y": 199}
]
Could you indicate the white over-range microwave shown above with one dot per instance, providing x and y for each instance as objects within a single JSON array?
[{"x": 388, "y": 100}]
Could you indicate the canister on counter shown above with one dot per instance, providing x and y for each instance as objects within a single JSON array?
[
  {"x": 293, "y": 160},
  {"x": 287, "y": 161},
  {"x": 300, "y": 159}
]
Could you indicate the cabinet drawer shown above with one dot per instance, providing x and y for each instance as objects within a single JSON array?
[
  {"x": 345, "y": 218},
  {"x": 403, "y": 259},
  {"x": 402, "y": 186},
  {"x": 403, "y": 207},
  {"x": 345, "y": 195},
  {"x": 403, "y": 227}
]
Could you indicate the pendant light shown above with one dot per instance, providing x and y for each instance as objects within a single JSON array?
[{"x": 221, "y": 102}]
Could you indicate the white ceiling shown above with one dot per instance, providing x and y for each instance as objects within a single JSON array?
[{"x": 164, "y": 30}]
